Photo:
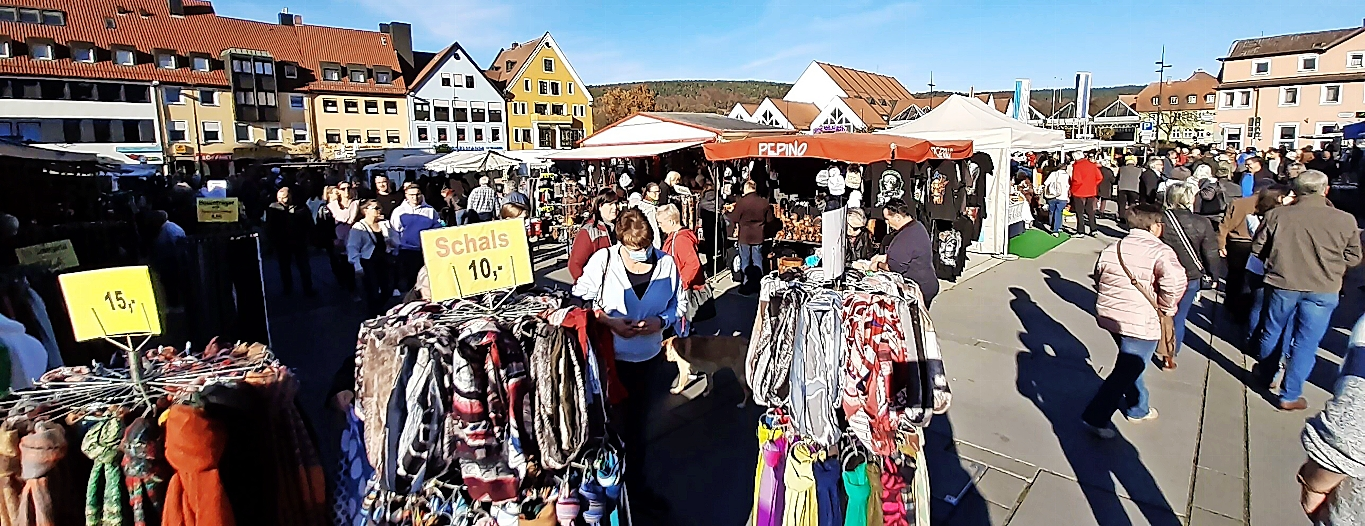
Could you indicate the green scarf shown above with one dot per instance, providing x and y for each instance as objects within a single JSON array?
[{"x": 104, "y": 493}]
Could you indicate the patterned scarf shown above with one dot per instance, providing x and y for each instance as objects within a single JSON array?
[
  {"x": 770, "y": 352},
  {"x": 302, "y": 486},
  {"x": 39, "y": 453},
  {"x": 144, "y": 471},
  {"x": 10, "y": 486},
  {"x": 816, "y": 357},
  {"x": 194, "y": 446},
  {"x": 104, "y": 491},
  {"x": 560, "y": 412}
]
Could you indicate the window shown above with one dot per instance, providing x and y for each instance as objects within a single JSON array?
[
  {"x": 176, "y": 131},
  {"x": 422, "y": 135},
  {"x": 526, "y": 85},
  {"x": 9, "y": 14},
  {"x": 41, "y": 50},
  {"x": 495, "y": 134},
  {"x": 165, "y": 61},
  {"x": 1287, "y": 135},
  {"x": 478, "y": 134},
  {"x": 391, "y": 107},
  {"x": 1232, "y": 137},
  {"x": 547, "y": 138},
  {"x": 6, "y": 48},
  {"x": 332, "y": 73},
  {"x": 1208, "y": 98},
  {"x": 442, "y": 134},
  {"x": 571, "y": 88},
  {"x": 208, "y": 97},
  {"x": 296, "y": 102},
  {"x": 265, "y": 68},
  {"x": 1355, "y": 59},
  {"x": 1289, "y": 96},
  {"x": 1331, "y": 94},
  {"x": 1156, "y": 101},
  {"x": 84, "y": 91},
  {"x": 556, "y": 109},
  {"x": 442, "y": 111},
  {"x": 372, "y": 107},
  {"x": 554, "y": 88},
  {"x": 352, "y": 106},
  {"x": 383, "y": 77},
  {"x": 394, "y": 137},
  {"x": 520, "y": 135},
  {"x": 548, "y": 65},
  {"x": 333, "y": 136},
  {"x": 272, "y": 133},
  {"x": 300, "y": 132},
  {"x": 421, "y": 111},
  {"x": 1192, "y": 99},
  {"x": 353, "y": 136},
  {"x": 1260, "y": 67},
  {"x": 542, "y": 108},
  {"x": 477, "y": 114},
  {"x": 1325, "y": 128},
  {"x": 1174, "y": 100},
  {"x": 462, "y": 112},
  {"x": 80, "y": 53},
  {"x": 290, "y": 71},
  {"x": 494, "y": 113},
  {"x": 329, "y": 105},
  {"x": 373, "y": 137},
  {"x": 245, "y": 98},
  {"x": 124, "y": 57},
  {"x": 445, "y": 80},
  {"x": 30, "y": 131},
  {"x": 357, "y": 75},
  {"x": 580, "y": 110},
  {"x": 519, "y": 108},
  {"x": 30, "y": 16},
  {"x": 243, "y": 131},
  {"x": 544, "y": 87},
  {"x": 171, "y": 94},
  {"x": 460, "y": 134},
  {"x": 212, "y": 131},
  {"x": 1244, "y": 99},
  {"x": 1308, "y": 63},
  {"x": 54, "y": 18}
]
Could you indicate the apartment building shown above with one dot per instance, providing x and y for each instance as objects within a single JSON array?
[
  {"x": 549, "y": 105},
  {"x": 1185, "y": 109},
  {"x": 452, "y": 103},
  {"x": 171, "y": 79},
  {"x": 1292, "y": 86}
]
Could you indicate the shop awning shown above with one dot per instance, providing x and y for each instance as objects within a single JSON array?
[
  {"x": 619, "y": 151},
  {"x": 411, "y": 162},
  {"x": 462, "y": 162},
  {"x": 856, "y": 148}
]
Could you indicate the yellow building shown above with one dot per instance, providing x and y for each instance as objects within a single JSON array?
[
  {"x": 347, "y": 122},
  {"x": 550, "y": 107}
]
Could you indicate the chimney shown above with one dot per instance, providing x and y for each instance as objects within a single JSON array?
[
  {"x": 177, "y": 7},
  {"x": 286, "y": 19},
  {"x": 401, "y": 35},
  {"x": 515, "y": 45}
]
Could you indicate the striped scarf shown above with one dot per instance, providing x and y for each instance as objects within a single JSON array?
[
  {"x": 560, "y": 412},
  {"x": 144, "y": 471},
  {"x": 104, "y": 490}
]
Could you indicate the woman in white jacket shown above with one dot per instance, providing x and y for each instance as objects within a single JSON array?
[{"x": 370, "y": 245}]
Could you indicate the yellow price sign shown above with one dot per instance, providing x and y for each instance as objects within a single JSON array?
[
  {"x": 110, "y": 302},
  {"x": 473, "y": 259},
  {"x": 218, "y": 210},
  {"x": 57, "y": 255}
]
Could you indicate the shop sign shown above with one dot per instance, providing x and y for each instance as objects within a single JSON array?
[
  {"x": 57, "y": 255},
  {"x": 782, "y": 149},
  {"x": 181, "y": 149},
  {"x": 472, "y": 259},
  {"x": 215, "y": 157},
  {"x": 138, "y": 149},
  {"x": 831, "y": 128},
  {"x": 110, "y": 302},
  {"x": 218, "y": 210},
  {"x": 941, "y": 152}
]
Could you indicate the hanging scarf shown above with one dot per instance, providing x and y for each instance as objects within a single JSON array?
[
  {"x": 301, "y": 484},
  {"x": 770, "y": 353},
  {"x": 768, "y": 506},
  {"x": 353, "y": 475},
  {"x": 104, "y": 491},
  {"x": 194, "y": 446},
  {"x": 560, "y": 412},
  {"x": 799, "y": 506},
  {"x": 828, "y": 477},
  {"x": 144, "y": 471},
  {"x": 10, "y": 486},
  {"x": 816, "y": 356},
  {"x": 39, "y": 453},
  {"x": 859, "y": 490}
]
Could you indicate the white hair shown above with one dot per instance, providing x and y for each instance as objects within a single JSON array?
[
  {"x": 483, "y": 181},
  {"x": 1203, "y": 171},
  {"x": 1180, "y": 195},
  {"x": 1310, "y": 182}
]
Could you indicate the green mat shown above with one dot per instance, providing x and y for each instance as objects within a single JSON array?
[{"x": 1033, "y": 243}]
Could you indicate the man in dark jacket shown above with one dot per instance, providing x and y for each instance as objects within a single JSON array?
[
  {"x": 909, "y": 251},
  {"x": 1256, "y": 177},
  {"x": 287, "y": 225},
  {"x": 1307, "y": 248},
  {"x": 753, "y": 215}
]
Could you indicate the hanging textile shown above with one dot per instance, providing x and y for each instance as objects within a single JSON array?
[
  {"x": 145, "y": 472},
  {"x": 194, "y": 444},
  {"x": 353, "y": 474},
  {"x": 560, "y": 412},
  {"x": 39, "y": 453},
  {"x": 104, "y": 490},
  {"x": 816, "y": 358},
  {"x": 10, "y": 484}
]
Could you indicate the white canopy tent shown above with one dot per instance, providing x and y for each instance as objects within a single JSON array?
[
  {"x": 463, "y": 162},
  {"x": 991, "y": 132}
]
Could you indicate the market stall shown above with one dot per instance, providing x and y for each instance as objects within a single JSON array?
[{"x": 994, "y": 136}]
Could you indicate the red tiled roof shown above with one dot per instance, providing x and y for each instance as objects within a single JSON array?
[
  {"x": 1316, "y": 41},
  {"x": 517, "y": 54},
  {"x": 1199, "y": 84},
  {"x": 861, "y": 84},
  {"x": 148, "y": 26},
  {"x": 799, "y": 114},
  {"x": 866, "y": 112}
]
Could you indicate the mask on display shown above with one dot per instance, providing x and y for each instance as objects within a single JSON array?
[
  {"x": 891, "y": 186},
  {"x": 639, "y": 256}
]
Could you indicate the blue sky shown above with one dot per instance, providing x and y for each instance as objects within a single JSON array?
[{"x": 965, "y": 43}]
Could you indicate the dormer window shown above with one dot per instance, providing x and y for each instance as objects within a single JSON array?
[
  {"x": 290, "y": 71},
  {"x": 125, "y": 57},
  {"x": 165, "y": 60},
  {"x": 41, "y": 50},
  {"x": 510, "y": 64},
  {"x": 82, "y": 52},
  {"x": 383, "y": 76},
  {"x": 200, "y": 63},
  {"x": 356, "y": 74},
  {"x": 331, "y": 72}
]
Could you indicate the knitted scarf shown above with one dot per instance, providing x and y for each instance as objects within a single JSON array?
[
  {"x": 104, "y": 490},
  {"x": 39, "y": 453},
  {"x": 560, "y": 412},
  {"x": 770, "y": 352},
  {"x": 194, "y": 445},
  {"x": 10, "y": 485},
  {"x": 144, "y": 471}
]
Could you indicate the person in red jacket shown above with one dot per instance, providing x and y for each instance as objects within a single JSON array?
[
  {"x": 681, "y": 243},
  {"x": 596, "y": 234},
  {"x": 1085, "y": 189}
]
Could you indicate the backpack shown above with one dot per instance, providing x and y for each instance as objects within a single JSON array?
[{"x": 1212, "y": 200}]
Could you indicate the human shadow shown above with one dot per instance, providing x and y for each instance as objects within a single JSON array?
[
  {"x": 1049, "y": 377},
  {"x": 1081, "y": 296},
  {"x": 956, "y": 501}
]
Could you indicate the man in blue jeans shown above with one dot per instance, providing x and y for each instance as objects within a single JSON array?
[
  {"x": 753, "y": 215},
  {"x": 1306, "y": 247}
]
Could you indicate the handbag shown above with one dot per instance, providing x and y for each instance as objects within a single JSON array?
[
  {"x": 700, "y": 303},
  {"x": 1165, "y": 346},
  {"x": 1205, "y": 280}
]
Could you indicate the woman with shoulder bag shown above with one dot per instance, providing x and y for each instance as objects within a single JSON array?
[
  {"x": 1196, "y": 244},
  {"x": 681, "y": 243}
]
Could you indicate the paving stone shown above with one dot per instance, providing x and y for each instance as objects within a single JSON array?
[
  {"x": 973, "y": 510},
  {"x": 1202, "y": 517},
  {"x": 1220, "y": 492},
  {"x": 949, "y": 474},
  {"x": 1003, "y": 463},
  {"x": 1001, "y": 488},
  {"x": 1054, "y": 501}
]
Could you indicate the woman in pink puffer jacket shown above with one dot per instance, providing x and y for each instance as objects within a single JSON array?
[{"x": 1124, "y": 310}]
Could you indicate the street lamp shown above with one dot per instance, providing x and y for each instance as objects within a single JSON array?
[{"x": 1161, "y": 67}]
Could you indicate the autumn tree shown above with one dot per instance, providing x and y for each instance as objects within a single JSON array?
[{"x": 619, "y": 102}]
